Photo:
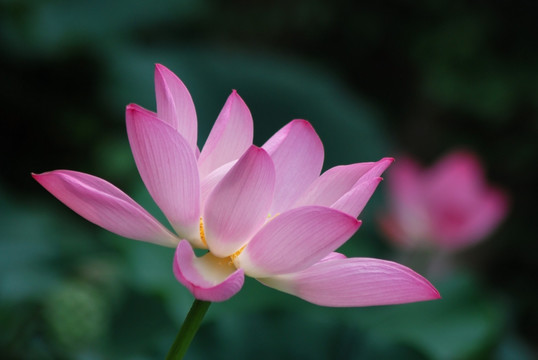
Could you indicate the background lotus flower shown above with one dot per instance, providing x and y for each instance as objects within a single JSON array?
[
  {"x": 448, "y": 206},
  {"x": 265, "y": 212}
]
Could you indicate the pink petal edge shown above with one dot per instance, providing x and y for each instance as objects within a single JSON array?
[
  {"x": 295, "y": 240},
  {"x": 334, "y": 183},
  {"x": 168, "y": 168},
  {"x": 354, "y": 201},
  {"x": 209, "y": 182},
  {"x": 105, "y": 205},
  {"x": 230, "y": 136},
  {"x": 239, "y": 204},
  {"x": 175, "y": 105},
  {"x": 205, "y": 280},
  {"x": 297, "y": 152},
  {"x": 355, "y": 282}
]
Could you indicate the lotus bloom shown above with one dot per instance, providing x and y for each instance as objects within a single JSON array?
[
  {"x": 261, "y": 211},
  {"x": 449, "y": 206}
]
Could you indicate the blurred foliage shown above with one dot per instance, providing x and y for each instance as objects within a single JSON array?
[{"x": 431, "y": 75}]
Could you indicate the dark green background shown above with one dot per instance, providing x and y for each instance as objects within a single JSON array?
[{"x": 375, "y": 79}]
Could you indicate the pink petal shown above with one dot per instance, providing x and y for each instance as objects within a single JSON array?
[
  {"x": 475, "y": 219},
  {"x": 168, "y": 168},
  {"x": 409, "y": 219},
  {"x": 174, "y": 104},
  {"x": 332, "y": 184},
  {"x": 346, "y": 188},
  {"x": 455, "y": 179},
  {"x": 230, "y": 137},
  {"x": 210, "y": 181},
  {"x": 459, "y": 170},
  {"x": 405, "y": 183},
  {"x": 239, "y": 204},
  {"x": 492, "y": 210},
  {"x": 297, "y": 153},
  {"x": 333, "y": 256},
  {"x": 295, "y": 240},
  {"x": 208, "y": 278},
  {"x": 355, "y": 282},
  {"x": 354, "y": 201},
  {"x": 378, "y": 168},
  {"x": 105, "y": 205}
]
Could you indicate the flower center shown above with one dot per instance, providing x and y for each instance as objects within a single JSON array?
[
  {"x": 202, "y": 233},
  {"x": 230, "y": 259}
]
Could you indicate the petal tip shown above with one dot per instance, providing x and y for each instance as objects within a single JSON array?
[
  {"x": 430, "y": 292},
  {"x": 234, "y": 96},
  {"x": 161, "y": 70},
  {"x": 256, "y": 150},
  {"x": 42, "y": 176},
  {"x": 302, "y": 122},
  {"x": 354, "y": 223},
  {"x": 39, "y": 177},
  {"x": 434, "y": 293},
  {"x": 132, "y": 107}
]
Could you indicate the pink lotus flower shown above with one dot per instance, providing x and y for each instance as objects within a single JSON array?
[
  {"x": 449, "y": 206},
  {"x": 264, "y": 212}
]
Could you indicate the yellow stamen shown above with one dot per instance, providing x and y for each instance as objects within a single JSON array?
[
  {"x": 237, "y": 253},
  {"x": 228, "y": 260},
  {"x": 202, "y": 233},
  {"x": 270, "y": 217}
]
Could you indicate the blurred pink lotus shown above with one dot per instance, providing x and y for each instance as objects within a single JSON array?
[
  {"x": 449, "y": 206},
  {"x": 264, "y": 212}
]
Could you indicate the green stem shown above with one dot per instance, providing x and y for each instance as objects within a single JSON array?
[{"x": 188, "y": 330}]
